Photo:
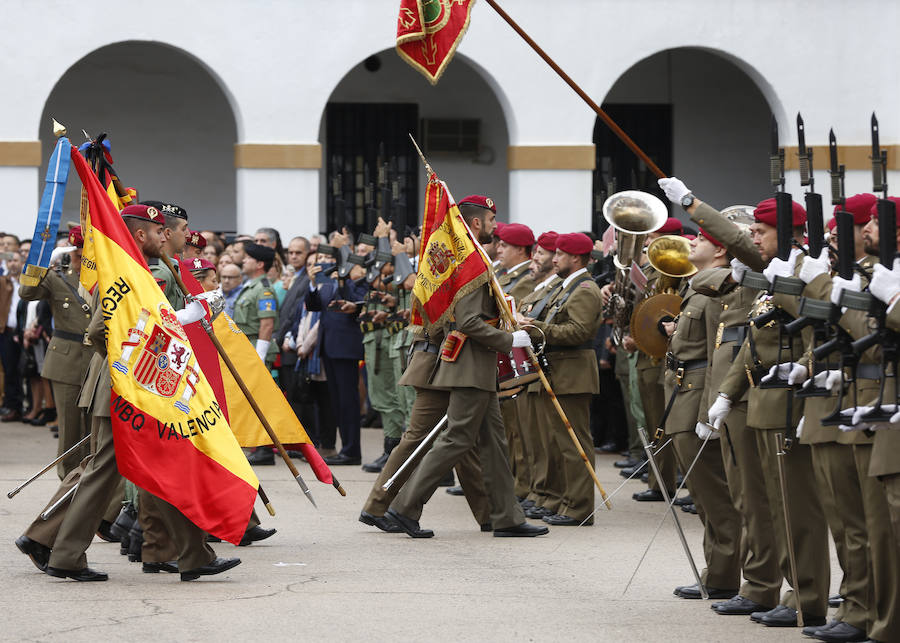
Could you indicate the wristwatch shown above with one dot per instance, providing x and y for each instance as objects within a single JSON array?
[{"x": 687, "y": 200}]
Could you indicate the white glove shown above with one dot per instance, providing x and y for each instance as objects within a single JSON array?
[
  {"x": 194, "y": 311},
  {"x": 839, "y": 285},
  {"x": 780, "y": 268},
  {"x": 738, "y": 268},
  {"x": 827, "y": 379},
  {"x": 59, "y": 252},
  {"x": 812, "y": 268},
  {"x": 289, "y": 342},
  {"x": 262, "y": 347},
  {"x": 850, "y": 414},
  {"x": 719, "y": 411},
  {"x": 215, "y": 300},
  {"x": 674, "y": 188},
  {"x": 704, "y": 431},
  {"x": 885, "y": 283},
  {"x": 521, "y": 339},
  {"x": 800, "y": 424},
  {"x": 792, "y": 371}
]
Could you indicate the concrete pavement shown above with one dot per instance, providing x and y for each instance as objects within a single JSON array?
[{"x": 325, "y": 576}]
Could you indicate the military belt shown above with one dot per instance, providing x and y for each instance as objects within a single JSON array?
[
  {"x": 674, "y": 364},
  {"x": 428, "y": 347},
  {"x": 733, "y": 334},
  {"x": 72, "y": 337}
]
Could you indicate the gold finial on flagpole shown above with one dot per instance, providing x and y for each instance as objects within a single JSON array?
[
  {"x": 59, "y": 129},
  {"x": 421, "y": 156}
]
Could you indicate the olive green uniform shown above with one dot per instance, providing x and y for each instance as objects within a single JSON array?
[
  {"x": 380, "y": 372},
  {"x": 517, "y": 283},
  {"x": 686, "y": 382},
  {"x": 740, "y": 452},
  {"x": 256, "y": 302},
  {"x": 773, "y": 410},
  {"x": 429, "y": 407},
  {"x": 400, "y": 342},
  {"x": 573, "y": 318},
  {"x": 66, "y": 360}
]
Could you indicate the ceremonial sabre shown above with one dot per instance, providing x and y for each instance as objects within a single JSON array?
[
  {"x": 426, "y": 441},
  {"x": 662, "y": 488},
  {"x": 49, "y": 511},
  {"x": 48, "y": 467},
  {"x": 792, "y": 557}
]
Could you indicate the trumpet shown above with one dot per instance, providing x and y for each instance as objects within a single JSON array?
[
  {"x": 634, "y": 215},
  {"x": 669, "y": 256}
]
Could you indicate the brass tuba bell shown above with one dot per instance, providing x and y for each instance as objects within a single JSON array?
[{"x": 669, "y": 256}]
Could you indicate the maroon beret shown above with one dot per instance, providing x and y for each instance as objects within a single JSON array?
[
  {"x": 861, "y": 206},
  {"x": 145, "y": 212},
  {"x": 765, "y": 213},
  {"x": 547, "y": 241},
  {"x": 832, "y": 222},
  {"x": 671, "y": 226},
  {"x": 196, "y": 239},
  {"x": 516, "y": 234},
  {"x": 75, "y": 237},
  {"x": 709, "y": 238},
  {"x": 500, "y": 225},
  {"x": 481, "y": 201},
  {"x": 873, "y": 212},
  {"x": 574, "y": 243},
  {"x": 200, "y": 264}
]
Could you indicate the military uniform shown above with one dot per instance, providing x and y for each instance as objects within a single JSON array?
[
  {"x": 740, "y": 453},
  {"x": 380, "y": 373},
  {"x": 401, "y": 341},
  {"x": 686, "y": 383},
  {"x": 569, "y": 327},
  {"x": 544, "y": 461},
  {"x": 256, "y": 302},
  {"x": 772, "y": 410},
  {"x": 473, "y": 416},
  {"x": 66, "y": 360},
  {"x": 429, "y": 407},
  {"x": 518, "y": 283}
]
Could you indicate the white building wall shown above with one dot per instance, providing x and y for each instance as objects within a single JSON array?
[{"x": 279, "y": 62}]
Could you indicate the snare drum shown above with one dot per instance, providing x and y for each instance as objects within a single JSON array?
[{"x": 515, "y": 372}]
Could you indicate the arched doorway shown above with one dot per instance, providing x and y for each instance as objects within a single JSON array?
[
  {"x": 170, "y": 124},
  {"x": 699, "y": 117},
  {"x": 459, "y": 123}
]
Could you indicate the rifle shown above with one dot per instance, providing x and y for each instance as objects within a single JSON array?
[
  {"x": 887, "y": 250},
  {"x": 337, "y": 194}
]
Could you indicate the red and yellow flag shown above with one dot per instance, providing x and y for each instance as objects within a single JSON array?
[
  {"x": 171, "y": 435},
  {"x": 428, "y": 32},
  {"x": 246, "y": 426},
  {"x": 450, "y": 264}
]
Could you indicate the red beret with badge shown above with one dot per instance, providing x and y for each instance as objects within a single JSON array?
[
  {"x": 710, "y": 238},
  {"x": 196, "y": 239},
  {"x": 481, "y": 201},
  {"x": 765, "y": 213},
  {"x": 574, "y": 243},
  {"x": 144, "y": 212},
  {"x": 861, "y": 206},
  {"x": 873, "y": 212},
  {"x": 671, "y": 226},
  {"x": 547, "y": 240},
  {"x": 516, "y": 234},
  {"x": 76, "y": 238},
  {"x": 199, "y": 264}
]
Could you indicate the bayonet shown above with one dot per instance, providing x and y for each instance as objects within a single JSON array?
[
  {"x": 814, "y": 218},
  {"x": 776, "y": 159},
  {"x": 836, "y": 172},
  {"x": 879, "y": 161},
  {"x": 805, "y": 155}
]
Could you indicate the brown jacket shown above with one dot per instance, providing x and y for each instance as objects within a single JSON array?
[
  {"x": 476, "y": 366},
  {"x": 95, "y": 392}
]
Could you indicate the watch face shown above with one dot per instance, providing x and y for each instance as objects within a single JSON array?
[{"x": 687, "y": 200}]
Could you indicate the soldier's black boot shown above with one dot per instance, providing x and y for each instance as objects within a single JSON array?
[
  {"x": 378, "y": 464},
  {"x": 135, "y": 542}
]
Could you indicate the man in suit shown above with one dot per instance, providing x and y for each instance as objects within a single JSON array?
[
  {"x": 341, "y": 342},
  {"x": 10, "y": 349},
  {"x": 473, "y": 412},
  {"x": 297, "y": 252}
]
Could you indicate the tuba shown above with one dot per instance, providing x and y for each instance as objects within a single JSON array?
[
  {"x": 669, "y": 256},
  {"x": 634, "y": 215}
]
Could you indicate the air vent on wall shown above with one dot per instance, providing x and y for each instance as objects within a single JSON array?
[{"x": 451, "y": 135}]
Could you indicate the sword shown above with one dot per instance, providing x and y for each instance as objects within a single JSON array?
[
  {"x": 425, "y": 443},
  {"x": 671, "y": 506},
  {"x": 49, "y": 511},
  {"x": 48, "y": 467},
  {"x": 779, "y": 442}
]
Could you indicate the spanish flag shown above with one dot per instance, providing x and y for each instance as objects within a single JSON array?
[
  {"x": 171, "y": 435},
  {"x": 246, "y": 426},
  {"x": 450, "y": 264}
]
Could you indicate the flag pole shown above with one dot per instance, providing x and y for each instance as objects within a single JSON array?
[
  {"x": 509, "y": 319},
  {"x": 610, "y": 123},
  {"x": 253, "y": 404}
]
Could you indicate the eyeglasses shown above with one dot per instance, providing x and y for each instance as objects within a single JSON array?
[{"x": 224, "y": 277}]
